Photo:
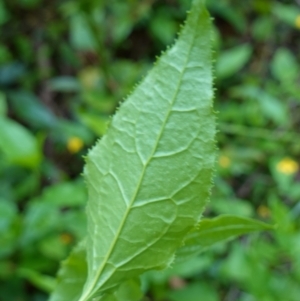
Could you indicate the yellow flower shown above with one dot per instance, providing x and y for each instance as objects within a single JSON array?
[
  {"x": 224, "y": 161},
  {"x": 263, "y": 211},
  {"x": 287, "y": 166},
  {"x": 74, "y": 145},
  {"x": 297, "y": 22}
]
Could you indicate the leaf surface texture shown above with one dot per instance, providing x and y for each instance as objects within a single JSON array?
[{"x": 149, "y": 177}]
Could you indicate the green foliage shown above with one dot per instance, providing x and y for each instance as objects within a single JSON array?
[
  {"x": 10, "y": 136},
  {"x": 144, "y": 214},
  {"x": 66, "y": 65},
  {"x": 219, "y": 229},
  {"x": 232, "y": 60}
]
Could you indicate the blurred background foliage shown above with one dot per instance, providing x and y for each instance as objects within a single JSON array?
[{"x": 64, "y": 68}]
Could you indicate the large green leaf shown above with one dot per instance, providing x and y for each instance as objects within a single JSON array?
[
  {"x": 149, "y": 178},
  {"x": 72, "y": 275},
  {"x": 128, "y": 291},
  {"x": 215, "y": 230}
]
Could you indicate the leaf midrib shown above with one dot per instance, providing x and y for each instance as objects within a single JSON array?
[{"x": 101, "y": 268}]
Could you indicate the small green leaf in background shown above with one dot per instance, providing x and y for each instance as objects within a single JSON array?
[
  {"x": 31, "y": 110},
  {"x": 67, "y": 194},
  {"x": 263, "y": 28},
  {"x": 44, "y": 282},
  {"x": 273, "y": 108},
  {"x": 284, "y": 66},
  {"x": 233, "y": 60},
  {"x": 40, "y": 220},
  {"x": 96, "y": 123},
  {"x": 81, "y": 35},
  {"x": 64, "y": 84},
  {"x": 43, "y": 215},
  {"x": 287, "y": 13},
  {"x": 232, "y": 207},
  {"x": 10, "y": 73},
  {"x": 163, "y": 20},
  {"x": 227, "y": 12},
  {"x": 219, "y": 229},
  {"x": 18, "y": 144}
]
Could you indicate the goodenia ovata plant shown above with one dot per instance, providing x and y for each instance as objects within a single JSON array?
[{"x": 149, "y": 177}]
